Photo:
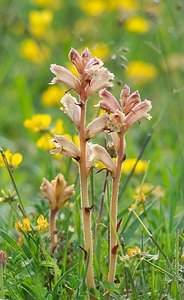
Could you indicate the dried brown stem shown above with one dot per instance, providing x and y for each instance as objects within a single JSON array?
[{"x": 52, "y": 230}]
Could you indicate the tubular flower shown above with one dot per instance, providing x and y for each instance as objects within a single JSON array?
[
  {"x": 65, "y": 146},
  {"x": 96, "y": 126},
  {"x": 65, "y": 76},
  {"x": 71, "y": 107},
  {"x": 130, "y": 111},
  {"x": 98, "y": 153},
  {"x": 92, "y": 75},
  {"x": 57, "y": 192}
]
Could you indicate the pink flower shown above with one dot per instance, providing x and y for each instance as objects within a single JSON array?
[
  {"x": 130, "y": 111},
  {"x": 79, "y": 61},
  {"x": 65, "y": 146},
  {"x": 71, "y": 107},
  {"x": 96, "y": 126},
  {"x": 65, "y": 76},
  {"x": 92, "y": 75},
  {"x": 99, "y": 153}
]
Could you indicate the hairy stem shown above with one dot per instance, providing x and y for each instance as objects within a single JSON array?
[
  {"x": 86, "y": 214},
  {"x": 52, "y": 230},
  {"x": 113, "y": 213}
]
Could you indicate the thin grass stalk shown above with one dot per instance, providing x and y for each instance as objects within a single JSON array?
[
  {"x": 86, "y": 215},
  {"x": 113, "y": 213},
  {"x": 52, "y": 229}
]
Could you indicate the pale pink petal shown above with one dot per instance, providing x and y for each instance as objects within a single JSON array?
[
  {"x": 93, "y": 65},
  {"x": 125, "y": 93},
  {"x": 139, "y": 112},
  {"x": 86, "y": 56},
  {"x": 65, "y": 146},
  {"x": 99, "y": 153},
  {"x": 132, "y": 100},
  {"x": 109, "y": 102},
  {"x": 65, "y": 76},
  {"x": 115, "y": 139},
  {"x": 72, "y": 108},
  {"x": 101, "y": 78},
  {"x": 96, "y": 126},
  {"x": 76, "y": 59}
]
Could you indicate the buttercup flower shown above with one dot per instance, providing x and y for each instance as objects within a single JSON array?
[
  {"x": 13, "y": 159},
  {"x": 131, "y": 252},
  {"x": 140, "y": 72},
  {"x": 51, "y": 96},
  {"x": 39, "y": 22},
  {"x": 57, "y": 192},
  {"x": 129, "y": 164},
  {"x": 38, "y": 122},
  {"x": 42, "y": 223},
  {"x": 27, "y": 225},
  {"x": 34, "y": 52},
  {"x": 137, "y": 24}
]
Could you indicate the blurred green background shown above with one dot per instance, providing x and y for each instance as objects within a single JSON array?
[{"x": 141, "y": 42}]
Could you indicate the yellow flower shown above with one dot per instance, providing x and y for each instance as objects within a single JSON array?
[
  {"x": 127, "y": 5},
  {"x": 58, "y": 128},
  {"x": 48, "y": 3},
  {"x": 27, "y": 225},
  {"x": 33, "y": 52},
  {"x": 52, "y": 96},
  {"x": 131, "y": 252},
  {"x": 140, "y": 72},
  {"x": 13, "y": 160},
  {"x": 42, "y": 223},
  {"x": 182, "y": 257},
  {"x": 39, "y": 22},
  {"x": 38, "y": 122},
  {"x": 92, "y": 7},
  {"x": 137, "y": 24},
  {"x": 44, "y": 142},
  {"x": 141, "y": 192},
  {"x": 76, "y": 140},
  {"x": 101, "y": 50},
  {"x": 129, "y": 164},
  {"x": 18, "y": 226}
]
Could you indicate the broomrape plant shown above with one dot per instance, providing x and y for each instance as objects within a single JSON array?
[{"x": 118, "y": 117}]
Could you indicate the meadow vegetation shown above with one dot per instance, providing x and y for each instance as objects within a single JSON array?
[{"x": 60, "y": 235}]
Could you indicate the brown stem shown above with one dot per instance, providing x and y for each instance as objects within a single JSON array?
[
  {"x": 86, "y": 214},
  {"x": 52, "y": 230},
  {"x": 113, "y": 213}
]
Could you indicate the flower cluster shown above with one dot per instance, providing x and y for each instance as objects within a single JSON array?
[{"x": 25, "y": 225}]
